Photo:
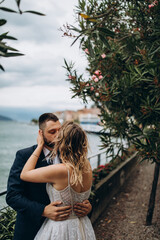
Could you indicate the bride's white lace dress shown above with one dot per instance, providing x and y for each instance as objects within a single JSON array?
[{"x": 73, "y": 228}]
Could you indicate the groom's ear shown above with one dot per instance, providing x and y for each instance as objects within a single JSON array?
[{"x": 40, "y": 131}]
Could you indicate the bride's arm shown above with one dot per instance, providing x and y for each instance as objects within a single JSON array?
[
  {"x": 43, "y": 174},
  {"x": 32, "y": 161},
  {"x": 47, "y": 174}
]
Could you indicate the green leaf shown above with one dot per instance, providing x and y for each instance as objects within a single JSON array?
[
  {"x": 13, "y": 54},
  {"x": 4, "y": 36},
  {"x": 1, "y": 67},
  {"x": 7, "y": 10},
  {"x": 66, "y": 63},
  {"x": 72, "y": 28},
  {"x": 9, "y": 37},
  {"x": 34, "y": 12},
  {"x": 18, "y": 3},
  {"x": 2, "y": 54},
  {"x": 4, "y": 46},
  {"x": 106, "y": 31},
  {"x": 91, "y": 52},
  {"x": 2, "y": 22},
  {"x": 104, "y": 40},
  {"x": 137, "y": 70},
  {"x": 76, "y": 39},
  {"x": 154, "y": 51}
]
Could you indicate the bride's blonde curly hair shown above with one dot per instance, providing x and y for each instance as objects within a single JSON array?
[{"x": 72, "y": 145}]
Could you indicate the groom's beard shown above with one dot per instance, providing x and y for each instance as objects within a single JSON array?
[{"x": 48, "y": 143}]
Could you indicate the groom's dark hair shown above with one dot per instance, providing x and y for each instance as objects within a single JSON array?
[{"x": 45, "y": 117}]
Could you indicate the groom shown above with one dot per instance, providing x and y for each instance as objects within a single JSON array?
[{"x": 30, "y": 200}]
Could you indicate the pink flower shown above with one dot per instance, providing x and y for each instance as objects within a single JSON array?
[
  {"x": 155, "y": 2},
  {"x": 100, "y": 77},
  {"x": 101, "y": 166},
  {"x": 93, "y": 77},
  {"x": 97, "y": 72},
  {"x": 103, "y": 55},
  {"x": 96, "y": 79},
  {"x": 87, "y": 85},
  {"x": 71, "y": 77},
  {"x": 92, "y": 88},
  {"x": 151, "y": 5},
  {"x": 86, "y": 51}
]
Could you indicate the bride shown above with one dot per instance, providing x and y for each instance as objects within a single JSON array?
[{"x": 69, "y": 182}]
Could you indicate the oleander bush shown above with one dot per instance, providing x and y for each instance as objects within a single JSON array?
[{"x": 121, "y": 42}]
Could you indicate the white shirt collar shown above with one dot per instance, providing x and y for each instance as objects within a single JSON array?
[{"x": 45, "y": 151}]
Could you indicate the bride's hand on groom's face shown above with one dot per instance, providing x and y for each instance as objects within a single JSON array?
[
  {"x": 82, "y": 209},
  {"x": 40, "y": 139}
]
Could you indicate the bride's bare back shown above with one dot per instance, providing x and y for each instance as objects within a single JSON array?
[{"x": 62, "y": 181}]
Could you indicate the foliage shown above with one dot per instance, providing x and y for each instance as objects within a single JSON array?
[
  {"x": 121, "y": 41},
  {"x": 5, "y": 49},
  {"x": 34, "y": 120},
  {"x": 7, "y": 223}
]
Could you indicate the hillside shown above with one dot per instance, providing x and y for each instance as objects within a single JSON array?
[{"x": 3, "y": 118}]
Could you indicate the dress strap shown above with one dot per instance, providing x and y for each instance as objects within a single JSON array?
[
  {"x": 70, "y": 189},
  {"x": 68, "y": 178}
]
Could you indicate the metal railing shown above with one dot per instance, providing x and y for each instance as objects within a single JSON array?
[
  {"x": 3, "y": 192},
  {"x": 97, "y": 159}
]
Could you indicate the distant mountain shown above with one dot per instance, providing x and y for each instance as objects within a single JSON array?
[
  {"x": 3, "y": 118},
  {"x": 23, "y": 114}
]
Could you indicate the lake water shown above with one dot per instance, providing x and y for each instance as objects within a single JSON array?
[{"x": 16, "y": 135}]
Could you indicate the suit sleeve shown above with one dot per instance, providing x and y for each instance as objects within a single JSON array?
[{"x": 15, "y": 191}]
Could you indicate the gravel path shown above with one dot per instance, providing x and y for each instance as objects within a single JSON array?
[{"x": 124, "y": 218}]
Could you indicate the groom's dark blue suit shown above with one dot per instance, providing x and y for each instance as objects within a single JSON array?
[{"x": 28, "y": 199}]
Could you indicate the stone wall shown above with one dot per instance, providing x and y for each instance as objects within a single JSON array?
[{"x": 110, "y": 185}]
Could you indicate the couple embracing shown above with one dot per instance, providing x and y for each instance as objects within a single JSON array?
[{"x": 49, "y": 184}]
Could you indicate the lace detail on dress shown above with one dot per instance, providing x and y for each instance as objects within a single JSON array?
[{"x": 68, "y": 196}]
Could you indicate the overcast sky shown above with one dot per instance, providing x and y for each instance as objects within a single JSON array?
[{"x": 38, "y": 78}]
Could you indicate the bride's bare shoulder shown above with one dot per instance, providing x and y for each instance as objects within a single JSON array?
[
  {"x": 88, "y": 166},
  {"x": 88, "y": 170},
  {"x": 60, "y": 170}
]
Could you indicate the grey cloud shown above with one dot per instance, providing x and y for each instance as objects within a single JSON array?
[
  {"x": 33, "y": 73},
  {"x": 33, "y": 27},
  {"x": 29, "y": 29},
  {"x": 42, "y": 44}
]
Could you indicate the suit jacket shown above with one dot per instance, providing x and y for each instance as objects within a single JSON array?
[{"x": 28, "y": 199}]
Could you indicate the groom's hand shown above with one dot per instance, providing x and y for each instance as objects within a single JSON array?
[
  {"x": 82, "y": 209},
  {"x": 55, "y": 212}
]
